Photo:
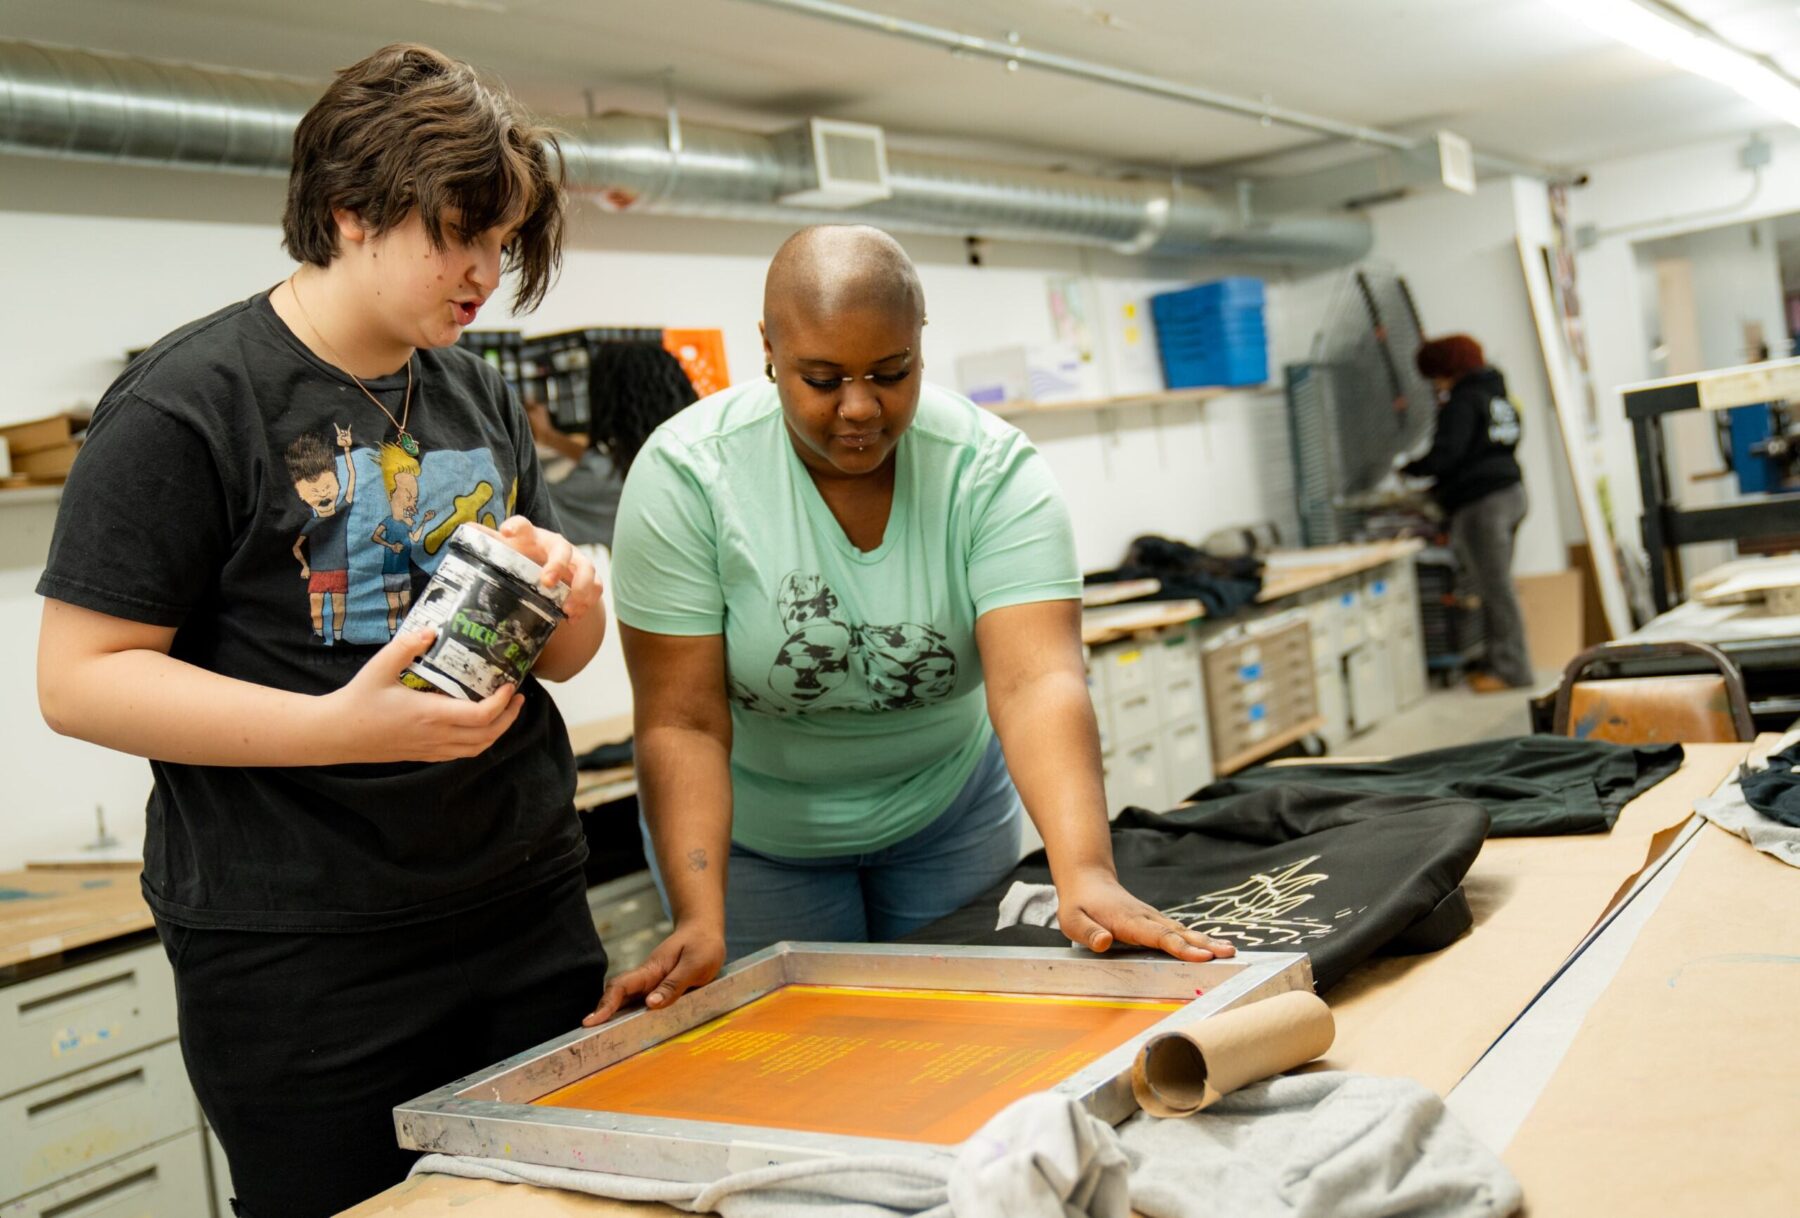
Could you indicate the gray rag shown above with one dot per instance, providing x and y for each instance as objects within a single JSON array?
[
  {"x": 1732, "y": 813},
  {"x": 1028, "y": 905},
  {"x": 1306, "y": 1146},
  {"x": 1324, "y": 1145}
]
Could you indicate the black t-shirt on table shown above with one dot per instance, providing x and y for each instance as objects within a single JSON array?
[{"x": 231, "y": 486}]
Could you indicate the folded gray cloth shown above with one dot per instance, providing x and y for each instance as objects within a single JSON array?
[
  {"x": 1307, "y": 1146},
  {"x": 1732, "y": 812},
  {"x": 1028, "y": 905},
  {"x": 1324, "y": 1145}
]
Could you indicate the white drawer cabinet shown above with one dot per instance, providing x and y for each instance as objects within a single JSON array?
[
  {"x": 167, "y": 1180},
  {"x": 80, "y": 1016},
  {"x": 57, "y": 1129}
]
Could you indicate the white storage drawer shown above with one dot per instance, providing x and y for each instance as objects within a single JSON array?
[
  {"x": 79, "y": 1121},
  {"x": 1135, "y": 777},
  {"x": 1183, "y": 698},
  {"x": 1136, "y": 714},
  {"x": 81, "y": 1016},
  {"x": 1187, "y": 758},
  {"x": 1347, "y": 607},
  {"x": 1127, "y": 668},
  {"x": 167, "y": 1180},
  {"x": 1102, "y": 700},
  {"x": 1371, "y": 686},
  {"x": 1328, "y": 678},
  {"x": 1177, "y": 654}
]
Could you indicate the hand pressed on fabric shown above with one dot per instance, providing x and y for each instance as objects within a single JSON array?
[
  {"x": 690, "y": 957},
  {"x": 1095, "y": 911}
]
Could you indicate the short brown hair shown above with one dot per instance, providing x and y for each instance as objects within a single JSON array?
[
  {"x": 409, "y": 129},
  {"x": 1452, "y": 357}
]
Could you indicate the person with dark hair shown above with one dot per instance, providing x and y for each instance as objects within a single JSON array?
[
  {"x": 851, "y": 612},
  {"x": 363, "y": 890},
  {"x": 633, "y": 388},
  {"x": 1477, "y": 481}
]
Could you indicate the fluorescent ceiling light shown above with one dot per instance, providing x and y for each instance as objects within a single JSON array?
[{"x": 1664, "y": 34}]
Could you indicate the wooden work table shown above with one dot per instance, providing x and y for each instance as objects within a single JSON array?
[
  {"x": 47, "y": 911},
  {"x": 1286, "y": 573},
  {"x": 1679, "y": 1081}
]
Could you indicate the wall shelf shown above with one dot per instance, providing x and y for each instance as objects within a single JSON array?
[{"x": 1008, "y": 410}]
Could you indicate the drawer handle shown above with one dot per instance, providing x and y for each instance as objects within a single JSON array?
[
  {"x": 90, "y": 1203},
  {"x": 130, "y": 1078},
  {"x": 42, "y": 1006}
]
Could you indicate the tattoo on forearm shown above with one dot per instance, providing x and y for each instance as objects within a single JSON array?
[{"x": 696, "y": 860}]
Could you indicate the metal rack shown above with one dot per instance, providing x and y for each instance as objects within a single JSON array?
[{"x": 1667, "y": 525}]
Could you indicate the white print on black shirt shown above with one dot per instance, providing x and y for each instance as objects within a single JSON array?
[
  {"x": 1503, "y": 422},
  {"x": 1261, "y": 911},
  {"x": 902, "y": 666}
]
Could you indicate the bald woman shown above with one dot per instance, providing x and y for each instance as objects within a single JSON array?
[{"x": 851, "y": 612}]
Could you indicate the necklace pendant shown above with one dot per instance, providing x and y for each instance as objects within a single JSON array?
[{"x": 408, "y": 445}]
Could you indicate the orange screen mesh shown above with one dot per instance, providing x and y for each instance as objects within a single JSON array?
[{"x": 919, "y": 1065}]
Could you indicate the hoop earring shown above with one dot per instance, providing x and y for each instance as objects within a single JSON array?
[{"x": 769, "y": 371}]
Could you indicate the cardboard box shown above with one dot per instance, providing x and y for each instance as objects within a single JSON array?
[
  {"x": 40, "y": 435},
  {"x": 1045, "y": 374},
  {"x": 1552, "y": 608},
  {"x": 47, "y": 465}
]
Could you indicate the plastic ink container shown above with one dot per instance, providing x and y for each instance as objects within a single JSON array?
[{"x": 491, "y": 613}]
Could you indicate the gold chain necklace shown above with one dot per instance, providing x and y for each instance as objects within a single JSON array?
[{"x": 408, "y": 445}]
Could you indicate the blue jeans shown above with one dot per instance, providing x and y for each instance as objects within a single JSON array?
[{"x": 881, "y": 895}]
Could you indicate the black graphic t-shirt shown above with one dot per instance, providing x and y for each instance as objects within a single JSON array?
[
  {"x": 1295, "y": 868},
  {"x": 232, "y": 486},
  {"x": 1471, "y": 453},
  {"x": 1531, "y": 786}
]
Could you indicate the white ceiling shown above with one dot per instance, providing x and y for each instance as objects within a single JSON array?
[{"x": 1516, "y": 76}]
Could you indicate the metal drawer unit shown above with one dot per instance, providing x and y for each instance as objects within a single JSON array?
[
  {"x": 1187, "y": 759},
  {"x": 57, "y": 1129},
  {"x": 1136, "y": 777},
  {"x": 628, "y": 914},
  {"x": 1259, "y": 684},
  {"x": 167, "y": 1180},
  {"x": 1100, "y": 696},
  {"x": 80, "y": 1016}
]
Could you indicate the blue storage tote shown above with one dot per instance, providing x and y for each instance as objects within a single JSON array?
[{"x": 1212, "y": 334}]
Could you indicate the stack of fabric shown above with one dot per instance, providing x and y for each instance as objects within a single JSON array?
[{"x": 1342, "y": 861}]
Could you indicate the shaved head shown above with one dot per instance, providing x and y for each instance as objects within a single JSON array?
[{"x": 831, "y": 269}]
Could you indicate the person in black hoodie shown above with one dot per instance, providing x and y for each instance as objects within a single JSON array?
[{"x": 1478, "y": 484}]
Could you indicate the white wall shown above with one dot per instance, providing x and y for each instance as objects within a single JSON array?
[
  {"x": 1460, "y": 256},
  {"x": 1640, "y": 199},
  {"x": 102, "y": 258}
]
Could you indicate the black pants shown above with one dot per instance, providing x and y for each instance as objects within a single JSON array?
[{"x": 300, "y": 1045}]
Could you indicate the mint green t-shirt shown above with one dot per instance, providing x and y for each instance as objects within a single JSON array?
[{"x": 857, "y": 703}]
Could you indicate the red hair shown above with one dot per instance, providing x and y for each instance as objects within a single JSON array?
[{"x": 1452, "y": 357}]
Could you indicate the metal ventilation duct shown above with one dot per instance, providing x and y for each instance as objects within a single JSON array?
[{"x": 68, "y": 103}]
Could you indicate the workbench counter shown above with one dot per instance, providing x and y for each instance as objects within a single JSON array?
[{"x": 1720, "y": 932}]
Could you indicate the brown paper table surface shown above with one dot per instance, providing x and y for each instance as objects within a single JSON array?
[
  {"x": 1681, "y": 1092},
  {"x": 1431, "y": 1017}
]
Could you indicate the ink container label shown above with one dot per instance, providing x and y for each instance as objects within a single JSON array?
[{"x": 491, "y": 614}]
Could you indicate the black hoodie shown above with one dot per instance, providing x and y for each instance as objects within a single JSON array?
[{"x": 1472, "y": 450}]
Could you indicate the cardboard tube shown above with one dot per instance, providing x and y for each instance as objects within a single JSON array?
[{"x": 1178, "y": 1073}]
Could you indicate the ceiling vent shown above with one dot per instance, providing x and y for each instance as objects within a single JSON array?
[
  {"x": 847, "y": 163},
  {"x": 1456, "y": 162}
]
